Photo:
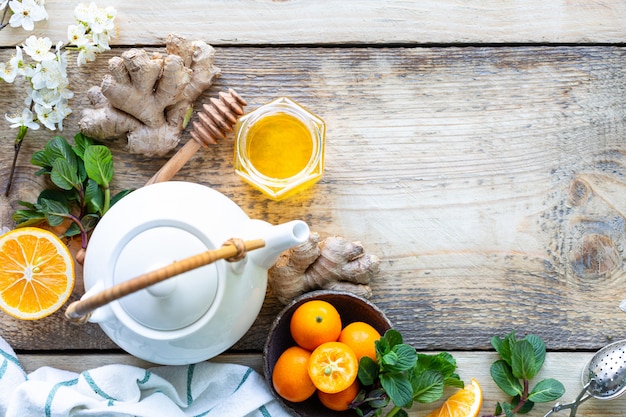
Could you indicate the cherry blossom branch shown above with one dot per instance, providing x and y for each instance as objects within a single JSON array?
[{"x": 46, "y": 73}]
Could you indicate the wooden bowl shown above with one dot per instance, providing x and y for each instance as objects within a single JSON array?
[{"x": 350, "y": 307}]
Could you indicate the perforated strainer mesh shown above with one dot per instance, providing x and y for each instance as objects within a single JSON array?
[{"x": 607, "y": 372}]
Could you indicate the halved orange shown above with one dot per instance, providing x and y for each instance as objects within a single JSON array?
[
  {"x": 36, "y": 273},
  {"x": 333, "y": 367},
  {"x": 465, "y": 402}
]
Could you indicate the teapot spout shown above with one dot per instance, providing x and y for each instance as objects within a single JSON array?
[{"x": 278, "y": 238}]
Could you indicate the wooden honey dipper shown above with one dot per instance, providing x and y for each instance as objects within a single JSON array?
[{"x": 214, "y": 121}]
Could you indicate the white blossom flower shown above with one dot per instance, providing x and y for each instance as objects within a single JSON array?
[
  {"x": 46, "y": 96},
  {"x": 62, "y": 59},
  {"x": 62, "y": 110},
  {"x": 103, "y": 20},
  {"x": 38, "y": 48},
  {"x": 46, "y": 115},
  {"x": 17, "y": 60},
  {"x": 48, "y": 74},
  {"x": 87, "y": 53},
  {"x": 26, "y": 13},
  {"x": 84, "y": 12},
  {"x": 77, "y": 35},
  {"x": 25, "y": 119},
  {"x": 9, "y": 71}
]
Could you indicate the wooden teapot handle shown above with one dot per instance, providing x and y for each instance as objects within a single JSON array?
[{"x": 232, "y": 250}]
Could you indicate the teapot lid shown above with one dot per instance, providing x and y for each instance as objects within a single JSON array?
[{"x": 176, "y": 302}]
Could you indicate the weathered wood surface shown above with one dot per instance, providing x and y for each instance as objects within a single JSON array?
[
  {"x": 489, "y": 180},
  {"x": 247, "y": 22},
  {"x": 566, "y": 367}
]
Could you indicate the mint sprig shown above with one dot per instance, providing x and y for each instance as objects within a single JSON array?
[
  {"x": 520, "y": 361},
  {"x": 402, "y": 376},
  {"x": 81, "y": 175}
]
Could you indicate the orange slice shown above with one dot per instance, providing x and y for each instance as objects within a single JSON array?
[
  {"x": 333, "y": 367},
  {"x": 463, "y": 403},
  {"x": 36, "y": 273}
]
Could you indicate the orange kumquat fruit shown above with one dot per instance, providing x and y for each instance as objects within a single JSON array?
[
  {"x": 315, "y": 322},
  {"x": 341, "y": 400},
  {"x": 360, "y": 337},
  {"x": 333, "y": 367},
  {"x": 290, "y": 376}
]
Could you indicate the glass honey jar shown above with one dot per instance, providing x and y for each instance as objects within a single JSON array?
[{"x": 279, "y": 148}]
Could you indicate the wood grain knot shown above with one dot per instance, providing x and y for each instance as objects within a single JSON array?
[
  {"x": 596, "y": 256},
  {"x": 579, "y": 192}
]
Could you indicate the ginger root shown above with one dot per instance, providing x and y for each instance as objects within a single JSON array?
[
  {"x": 332, "y": 264},
  {"x": 148, "y": 99}
]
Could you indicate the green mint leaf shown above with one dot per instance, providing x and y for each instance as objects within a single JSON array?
[
  {"x": 427, "y": 386},
  {"x": 393, "y": 337},
  {"x": 453, "y": 381},
  {"x": 523, "y": 361},
  {"x": 376, "y": 398},
  {"x": 398, "y": 388},
  {"x": 503, "y": 346},
  {"x": 54, "y": 194},
  {"x": 401, "y": 413},
  {"x": 546, "y": 391},
  {"x": 99, "y": 164},
  {"x": 368, "y": 371},
  {"x": 508, "y": 410},
  {"x": 94, "y": 197},
  {"x": 117, "y": 197},
  {"x": 442, "y": 362},
  {"x": 405, "y": 357},
  {"x": 73, "y": 230},
  {"x": 81, "y": 142},
  {"x": 89, "y": 221},
  {"x": 388, "y": 361},
  {"x": 382, "y": 348},
  {"x": 539, "y": 348},
  {"x": 40, "y": 159},
  {"x": 59, "y": 148},
  {"x": 28, "y": 217},
  {"x": 525, "y": 408},
  {"x": 54, "y": 149},
  {"x": 64, "y": 175},
  {"x": 503, "y": 377},
  {"x": 54, "y": 211},
  {"x": 510, "y": 340},
  {"x": 28, "y": 205}
]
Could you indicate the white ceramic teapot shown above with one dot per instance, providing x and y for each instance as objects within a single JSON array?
[{"x": 196, "y": 315}]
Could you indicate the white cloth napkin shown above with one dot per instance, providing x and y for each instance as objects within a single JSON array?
[{"x": 204, "y": 389}]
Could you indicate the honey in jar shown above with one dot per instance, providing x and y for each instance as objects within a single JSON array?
[{"x": 279, "y": 148}]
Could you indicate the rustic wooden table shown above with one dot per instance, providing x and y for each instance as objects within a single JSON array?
[{"x": 477, "y": 148}]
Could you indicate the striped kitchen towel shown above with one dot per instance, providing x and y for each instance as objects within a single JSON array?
[{"x": 204, "y": 389}]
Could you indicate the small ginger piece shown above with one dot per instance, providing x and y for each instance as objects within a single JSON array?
[
  {"x": 332, "y": 264},
  {"x": 148, "y": 99}
]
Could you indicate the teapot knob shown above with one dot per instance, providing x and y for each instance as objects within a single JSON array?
[{"x": 162, "y": 289}]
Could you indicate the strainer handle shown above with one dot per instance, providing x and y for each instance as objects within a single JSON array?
[
  {"x": 232, "y": 250},
  {"x": 582, "y": 397}
]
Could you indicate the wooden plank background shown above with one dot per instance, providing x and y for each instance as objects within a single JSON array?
[
  {"x": 284, "y": 22},
  {"x": 455, "y": 165},
  {"x": 477, "y": 148}
]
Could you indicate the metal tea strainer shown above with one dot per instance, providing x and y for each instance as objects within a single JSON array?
[{"x": 604, "y": 377}]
